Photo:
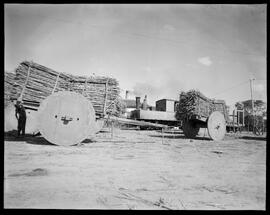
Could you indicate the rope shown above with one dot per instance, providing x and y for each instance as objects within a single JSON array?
[{"x": 56, "y": 82}]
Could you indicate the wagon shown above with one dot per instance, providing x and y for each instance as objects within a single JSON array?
[
  {"x": 65, "y": 109},
  {"x": 197, "y": 111}
]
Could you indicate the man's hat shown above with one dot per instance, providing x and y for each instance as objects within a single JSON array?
[{"x": 19, "y": 100}]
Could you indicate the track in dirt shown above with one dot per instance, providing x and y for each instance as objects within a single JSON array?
[{"x": 136, "y": 170}]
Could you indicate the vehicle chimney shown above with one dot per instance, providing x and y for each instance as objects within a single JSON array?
[
  {"x": 138, "y": 101},
  {"x": 144, "y": 105},
  {"x": 127, "y": 94}
]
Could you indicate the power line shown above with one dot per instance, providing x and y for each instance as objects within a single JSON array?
[
  {"x": 234, "y": 86},
  {"x": 237, "y": 85},
  {"x": 260, "y": 80}
]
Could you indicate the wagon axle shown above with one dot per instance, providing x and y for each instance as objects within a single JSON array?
[{"x": 66, "y": 119}]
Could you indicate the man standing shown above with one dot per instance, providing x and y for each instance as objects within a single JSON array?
[{"x": 21, "y": 117}]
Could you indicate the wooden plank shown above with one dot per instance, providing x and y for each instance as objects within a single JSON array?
[{"x": 135, "y": 122}]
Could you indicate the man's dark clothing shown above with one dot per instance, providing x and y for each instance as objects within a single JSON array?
[{"x": 21, "y": 117}]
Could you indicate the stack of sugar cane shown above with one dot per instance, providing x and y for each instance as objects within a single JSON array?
[
  {"x": 101, "y": 91},
  {"x": 9, "y": 87},
  {"x": 35, "y": 82},
  {"x": 193, "y": 102}
]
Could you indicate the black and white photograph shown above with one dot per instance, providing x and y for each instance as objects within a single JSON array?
[{"x": 135, "y": 106}]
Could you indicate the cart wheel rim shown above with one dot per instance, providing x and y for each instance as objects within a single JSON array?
[
  {"x": 190, "y": 129},
  {"x": 216, "y": 126},
  {"x": 66, "y": 118}
]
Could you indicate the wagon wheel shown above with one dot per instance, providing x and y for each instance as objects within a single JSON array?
[
  {"x": 66, "y": 118},
  {"x": 190, "y": 129},
  {"x": 216, "y": 126}
]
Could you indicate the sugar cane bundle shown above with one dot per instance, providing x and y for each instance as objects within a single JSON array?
[
  {"x": 192, "y": 103},
  {"x": 35, "y": 82},
  {"x": 100, "y": 90},
  {"x": 9, "y": 87}
]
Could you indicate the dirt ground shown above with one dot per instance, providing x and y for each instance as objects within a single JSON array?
[{"x": 136, "y": 169}]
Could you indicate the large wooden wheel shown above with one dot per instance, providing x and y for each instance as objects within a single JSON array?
[
  {"x": 216, "y": 125},
  {"x": 190, "y": 129},
  {"x": 66, "y": 118}
]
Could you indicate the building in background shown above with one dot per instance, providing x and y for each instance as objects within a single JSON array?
[{"x": 168, "y": 105}]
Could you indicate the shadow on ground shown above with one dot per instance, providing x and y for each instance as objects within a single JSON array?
[
  {"x": 180, "y": 137},
  {"x": 253, "y": 138},
  {"x": 89, "y": 141},
  {"x": 171, "y": 132},
  {"x": 104, "y": 131},
  {"x": 28, "y": 138},
  {"x": 34, "y": 172},
  {"x": 33, "y": 139}
]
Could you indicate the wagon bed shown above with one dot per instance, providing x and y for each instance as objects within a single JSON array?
[{"x": 197, "y": 111}]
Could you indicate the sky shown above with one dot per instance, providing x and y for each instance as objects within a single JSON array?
[{"x": 154, "y": 50}]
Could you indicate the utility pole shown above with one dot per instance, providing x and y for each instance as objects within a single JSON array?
[{"x": 252, "y": 103}]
